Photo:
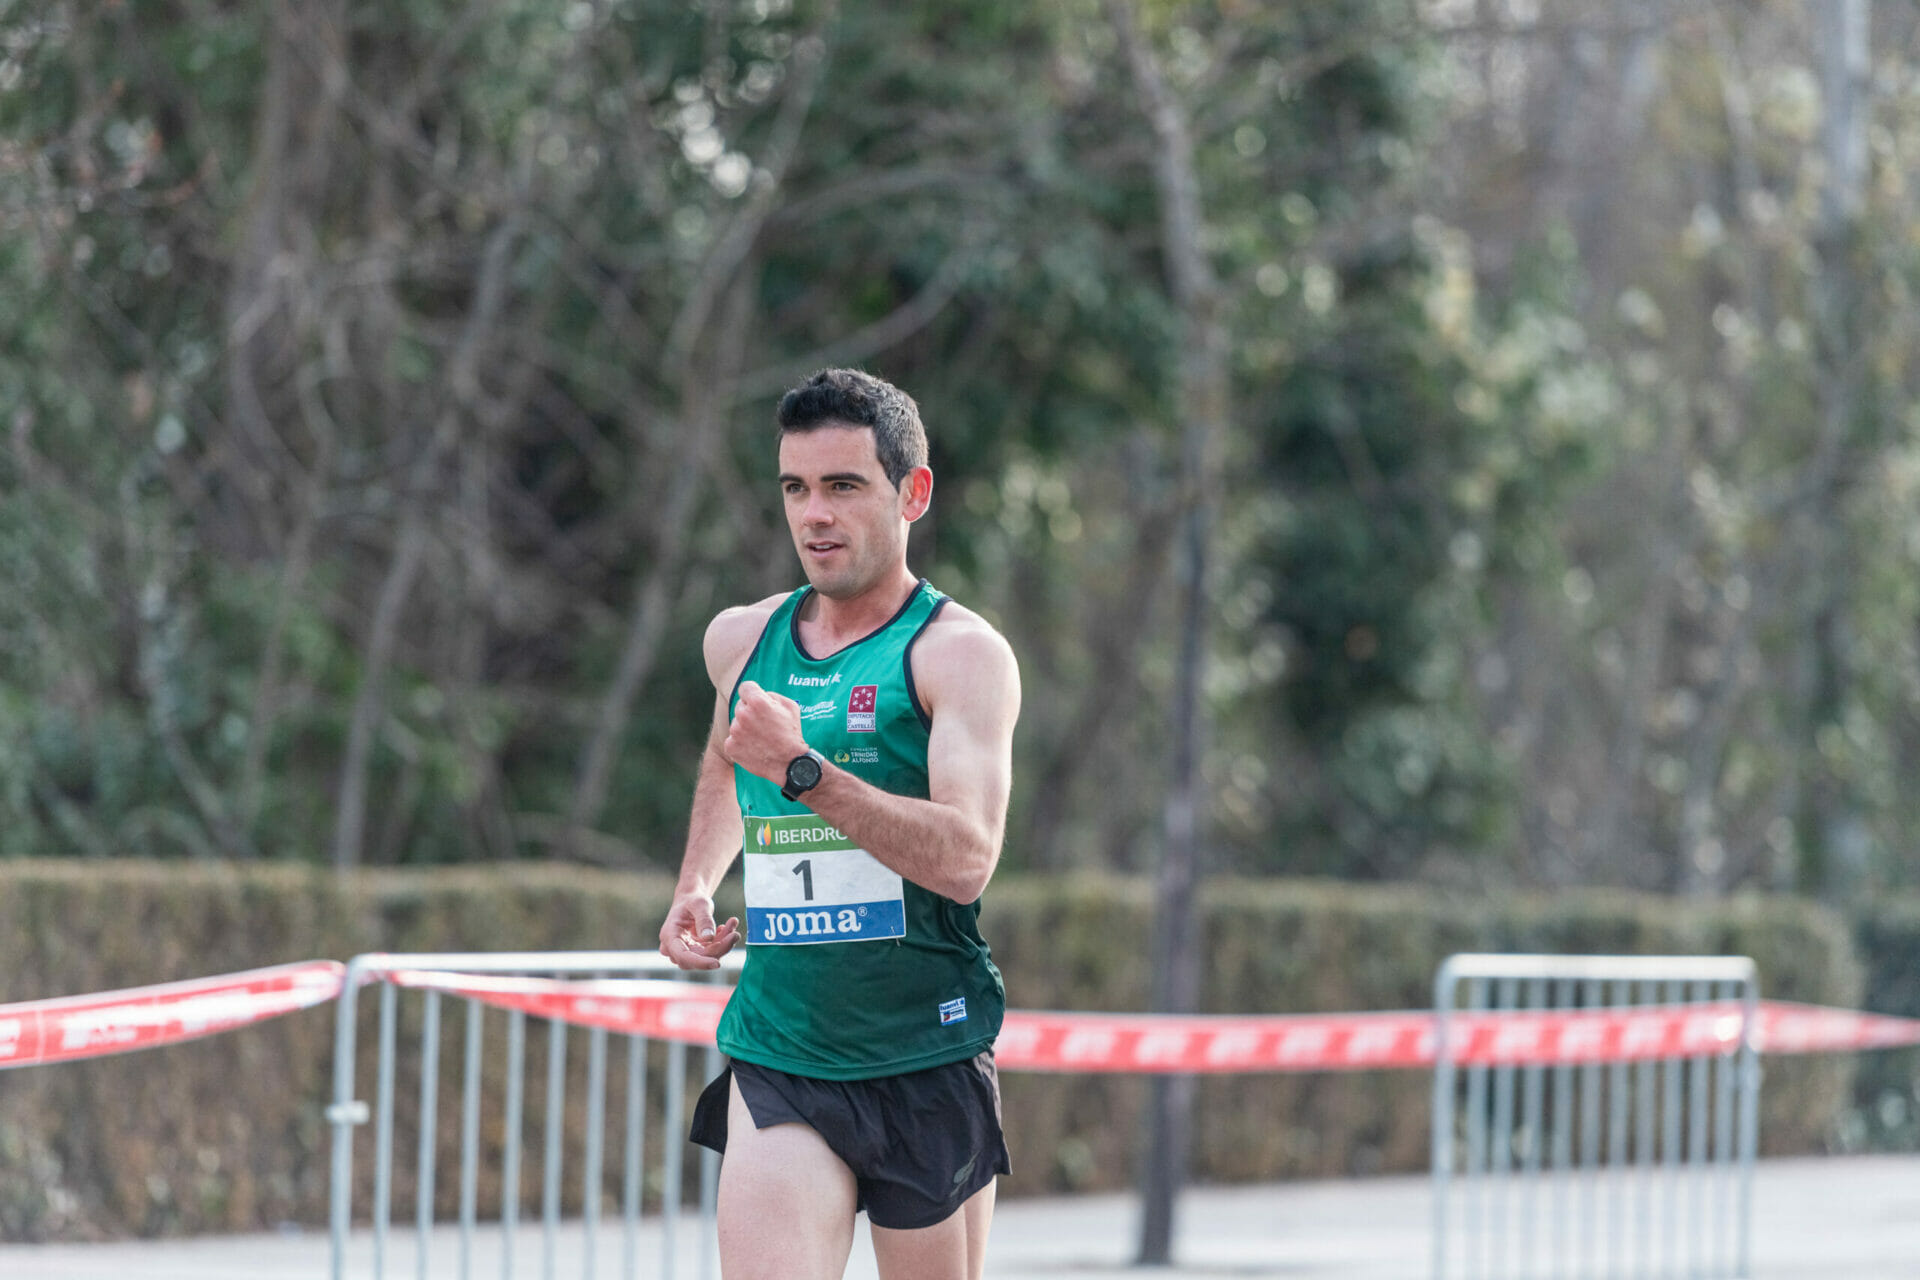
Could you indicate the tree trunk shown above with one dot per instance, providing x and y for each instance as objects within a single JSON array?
[
  {"x": 1204, "y": 395},
  {"x": 369, "y": 701},
  {"x": 1619, "y": 126},
  {"x": 1830, "y": 825},
  {"x": 410, "y": 544},
  {"x": 1115, "y": 648},
  {"x": 292, "y": 151}
]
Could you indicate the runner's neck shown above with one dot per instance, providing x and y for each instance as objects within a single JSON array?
[{"x": 828, "y": 625}]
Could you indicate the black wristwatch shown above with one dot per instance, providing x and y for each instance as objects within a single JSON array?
[{"x": 803, "y": 774}]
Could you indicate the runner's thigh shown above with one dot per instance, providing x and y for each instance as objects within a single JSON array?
[{"x": 786, "y": 1202}]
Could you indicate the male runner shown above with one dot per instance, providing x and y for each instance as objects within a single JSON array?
[{"x": 859, "y": 763}]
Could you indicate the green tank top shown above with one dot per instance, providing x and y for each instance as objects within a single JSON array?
[{"x": 851, "y": 972}]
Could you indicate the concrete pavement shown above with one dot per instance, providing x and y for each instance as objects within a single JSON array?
[{"x": 1840, "y": 1219}]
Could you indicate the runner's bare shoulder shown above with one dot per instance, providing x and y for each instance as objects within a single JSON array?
[
  {"x": 731, "y": 637},
  {"x": 962, "y": 650}
]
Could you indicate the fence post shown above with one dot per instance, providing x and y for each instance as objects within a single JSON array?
[
  {"x": 1657, "y": 1169},
  {"x": 346, "y": 1112}
]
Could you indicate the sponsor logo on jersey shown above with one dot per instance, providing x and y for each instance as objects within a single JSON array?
[
  {"x": 817, "y": 710},
  {"x": 815, "y": 682},
  {"x": 861, "y": 705},
  {"x": 805, "y": 835},
  {"x": 797, "y": 833},
  {"x": 952, "y": 1011},
  {"x": 838, "y": 922}
]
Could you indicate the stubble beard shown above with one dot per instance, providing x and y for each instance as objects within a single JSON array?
[
  {"x": 857, "y": 575},
  {"x": 846, "y": 584}
]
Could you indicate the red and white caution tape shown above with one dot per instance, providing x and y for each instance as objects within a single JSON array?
[
  {"x": 663, "y": 1009},
  {"x": 142, "y": 1017},
  {"x": 89, "y": 1026},
  {"x": 1359, "y": 1041},
  {"x": 1101, "y": 1042},
  {"x": 1159, "y": 1042},
  {"x": 1810, "y": 1028}
]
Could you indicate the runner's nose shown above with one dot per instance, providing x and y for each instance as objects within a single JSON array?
[{"x": 817, "y": 514}]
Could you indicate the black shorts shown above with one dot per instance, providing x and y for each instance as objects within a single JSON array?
[{"x": 918, "y": 1144}]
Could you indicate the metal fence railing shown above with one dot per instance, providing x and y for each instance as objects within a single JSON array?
[
  {"x": 451, "y": 1112},
  {"x": 1626, "y": 1152}
]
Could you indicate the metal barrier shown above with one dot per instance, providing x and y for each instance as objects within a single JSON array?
[
  {"x": 573, "y": 1119},
  {"x": 1595, "y": 1164}
]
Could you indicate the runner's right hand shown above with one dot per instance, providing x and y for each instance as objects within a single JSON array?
[{"x": 689, "y": 937}]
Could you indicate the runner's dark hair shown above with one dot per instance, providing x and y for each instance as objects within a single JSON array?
[{"x": 850, "y": 397}]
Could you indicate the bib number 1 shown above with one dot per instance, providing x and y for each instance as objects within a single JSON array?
[{"x": 807, "y": 883}]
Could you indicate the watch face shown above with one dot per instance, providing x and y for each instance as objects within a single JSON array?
[{"x": 804, "y": 772}]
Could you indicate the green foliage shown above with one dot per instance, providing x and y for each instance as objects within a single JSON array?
[
  {"x": 489, "y": 305},
  {"x": 1407, "y": 445},
  {"x": 195, "y": 676},
  {"x": 1717, "y": 632}
]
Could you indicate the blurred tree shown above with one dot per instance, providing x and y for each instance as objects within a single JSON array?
[
  {"x": 481, "y": 298},
  {"x": 1710, "y": 698},
  {"x": 386, "y": 391}
]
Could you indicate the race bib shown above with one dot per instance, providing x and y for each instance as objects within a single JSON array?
[{"x": 808, "y": 883}]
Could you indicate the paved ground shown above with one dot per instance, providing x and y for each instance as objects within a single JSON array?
[{"x": 1852, "y": 1219}]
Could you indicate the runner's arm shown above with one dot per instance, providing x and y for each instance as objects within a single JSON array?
[
  {"x": 689, "y": 937},
  {"x": 949, "y": 842}
]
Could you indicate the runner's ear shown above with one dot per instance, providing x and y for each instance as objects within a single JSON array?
[{"x": 916, "y": 493}]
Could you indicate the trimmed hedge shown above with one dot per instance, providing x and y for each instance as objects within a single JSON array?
[
  {"x": 1886, "y": 1111},
  {"x": 227, "y": 1134}
]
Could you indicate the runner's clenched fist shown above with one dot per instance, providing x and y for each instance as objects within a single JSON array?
[{"x": 765, "y": 733}]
